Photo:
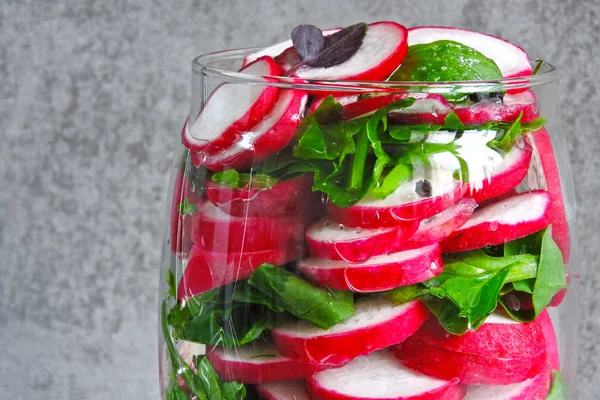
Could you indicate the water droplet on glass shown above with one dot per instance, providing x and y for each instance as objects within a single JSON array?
[
  {"x": 340, "y": 227},
  {"x": 493, "y": 226},
  {"x": 358, "y": 231}
]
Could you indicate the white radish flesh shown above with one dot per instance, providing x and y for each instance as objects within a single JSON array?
[
  {"x": 379, "y": 376},
  {"x": 330, "y": 240},
  {"x": 383, "y": 272},
  {"x": 383, "y": 49},
  {"x": 257, "y": 362},
  {"x": 501, "y": 222},
  {"x": 231, "y": 109},
  {"x": 377, "y": 323}
]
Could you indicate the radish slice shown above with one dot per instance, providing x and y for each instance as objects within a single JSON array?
[
  {"x": 379, "y": 376},
  {"x": 383, "y": 49},
  {"x": 503, "y": 177},
  {"x": 511, "y": 59},
  {"x": 207, "y": 270},
  {"x": 551, "y": 342},
  {"x": 327, "y": 239},
  {"x": 404, "y": 203},
  {"x": 379, "y": 273},
  {"x": 501, "y": 222},
  {"x": 502, "y": 351},
  {"x": 285, "y": 197},
  {"x": 180, "y": 225},
  {"x": 266, "y": 138},
  {"x": 285, "y": 390},
  {"x": 536, "y": 388},
  {"x": 427, "y": 108},
  {"x": 257, "y": 362},
  {"x": 543, "y": 174},
  {"x": 437, "y": 228},
  {"x": 278, "y": 49},
  {"x": 377, "y": 323},
  {"x": 214, "y": 230},
  {"x": 230, "y": 110},
  {"x": 508, "y": 111}
]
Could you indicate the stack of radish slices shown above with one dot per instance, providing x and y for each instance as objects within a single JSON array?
[{"x": 385, "y": 350}]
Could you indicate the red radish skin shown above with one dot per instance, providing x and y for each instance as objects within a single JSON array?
[
  {"x": 504, "y": 177},
  {"x": 207, "y": 270},
  {"x": 512, "y": 106},
  {"x": 285, "y": 197},
  {"x": 230, "y": 110},
  {"x": 383, "y": 49},
  {"x": 330, "y": 240},
  {"x": 536, "y": 388},
  {"x": 544, "y": 174},
  {"x": 257, "y": 362},
  {"x": 384, "y": 272},
  {"x": 437, "y": 228},
  {"x": 214, "y": 230},
  {"x": 266, "y": 138},
  {"x": 551, "y": 343},
  {"x": 284, "y": 390},
  {"x": 511, "y": 59},
  {"x": 379, "y": 376},
  {"x": 502, "y": 351},
  {"x": 501, "y": 222},
  {"x": 403, "y": 204},
  {"x": 180, "y": 225},
  {"x": 377, "y": 323}
]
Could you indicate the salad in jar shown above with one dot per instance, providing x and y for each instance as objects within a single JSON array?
[{"x": 368, "y": 212}]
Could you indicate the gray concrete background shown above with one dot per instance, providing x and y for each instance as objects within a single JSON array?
[{"x": 92, "y": 99}]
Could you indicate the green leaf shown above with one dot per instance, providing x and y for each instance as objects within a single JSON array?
[
  {"x": 171, "y": 283},
  {"x": 444, "y": 61},
  {"x": 551, "y": 277},
  {"x": 211, "y": 381},
  {"x": 187, "y": 208},
  {"x": 320, "y": 307},
  {"x": 401, "y": 173},
  {"x": 447, "y": 313},
  {"x": 538, "y": 66},
  {"x": 558, "y": 390},
  {"x": 404, "y": 294},
  {"x": 229, "y": 177}
]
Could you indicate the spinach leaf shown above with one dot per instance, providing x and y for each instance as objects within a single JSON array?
[
  {"x": 558, "y": 389},
  {"x": 474, "y": 282},
  {"x": 215, "y": 318},
  {"x": 320, "y": 307},
  {"x": 444, "y": 61},
  {"x": 206, "y": 384}
]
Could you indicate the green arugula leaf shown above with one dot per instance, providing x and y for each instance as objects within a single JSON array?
[
  {"x": 187, "y": 208},
  {"x": 399, "y": 174},
  {"x": 320, "y": 307}
]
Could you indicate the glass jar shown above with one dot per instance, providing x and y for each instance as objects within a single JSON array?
[{"x": 369, "y": 240}]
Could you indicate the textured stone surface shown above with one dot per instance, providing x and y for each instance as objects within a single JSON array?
[{"x": 92, "y": 99}]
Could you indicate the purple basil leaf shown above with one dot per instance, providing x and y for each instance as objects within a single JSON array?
[
  {"x": 340, "y": 46},
  {"x": 308, "y": 41}
]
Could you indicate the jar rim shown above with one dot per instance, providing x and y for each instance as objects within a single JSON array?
[{"x": 204, "y": 65}]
